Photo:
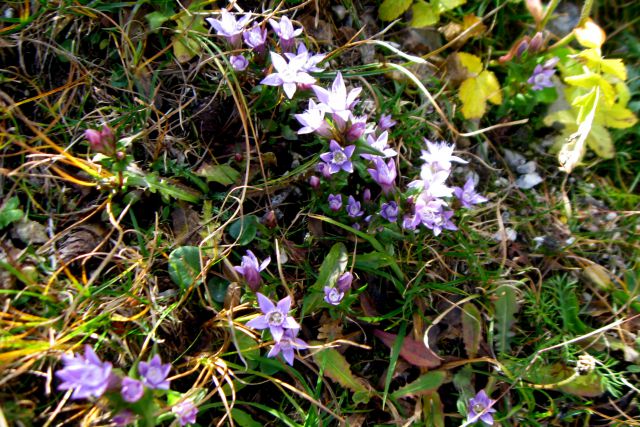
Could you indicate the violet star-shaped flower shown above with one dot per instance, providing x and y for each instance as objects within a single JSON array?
[
  {"x": 384, "y": 174},
  {"x": 433, "y": 215},
  {"x": 286, "y": 33},
  {"x": 85, "y": 374},
  {"x": 439, "y": 155},
  {"x": 186, "y": 412},
  {"x": 541, "y": 78},
  {"x": 275, "y": 317},
  {"x": 154, "y": 373},
  {"x": 380, "y": 144},
  {"x": 353, "y": 208},
  {"x": 312, "y": 60},
  {"x": 287, "y": 344},
  {"x": 467, "y": 194},
  {"x": 313, "y": 120},
  {"x": 132, "y": 389},
  {"x": 389, "y": 211},
  {"x": 250, "y": 269},
  {"x": 332, "y": 295},
  {"x": 288, "y": 74},
  {"x": 337, "y": 100},
  {"x": 480, "y": 407},
  {"x": 230, "y": 28},
  {"x": 335, "y": 202},
  {"x": 338, "y": 158}
]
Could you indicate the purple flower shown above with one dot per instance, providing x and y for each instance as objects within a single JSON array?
[
  {"x": 379, "y": 144},
  {"x": 101, "y": 141},
  {"x": 386, "y": 122},
  {"x": 338, "y": 158},
  {"x": 337, "y": 100},
  {"x": 312, "y": 60},
  {"x": 186, "y": 412},
  {"x": 542, "y": 74},
  {"x": 154, "y": 373},
  {"x": 250, "y": 269},
  {"x": 132, "y": 390},
  {"x": 87, "y": 375},
  {"x": 123, "y": 418},
  {"x": 357, "y": 129},
  {"x": 433, "y": 215},
  {"x": 313, "y": 120},
  {"x": 256, "y": 38},
  {"x": 287, "y": 344},
  {"x": 332, "y": 295},
  {"x": 344, "y": 282},
  {"x": 480, "y": 407},
  {"x": 286, "y": 33},
  {"x": 335, "y": 202},
  {"x": 439, "y": 155},
  {"x": 229, "y": 28},
  {"x": 467, "y": 194},
  {"x": 366, "y": 195},
  {"x": 432, "y": 185},
  {"x": 384, "y": 174},
  {"x": 389, "y": 211},
  {"x": 353, "y": 208},
  {"x": 288, "y": 74},
  {"x": 275, "y": 317},
  {"x": 238, "y": 62},
  {"x": 314, "y": 182}
]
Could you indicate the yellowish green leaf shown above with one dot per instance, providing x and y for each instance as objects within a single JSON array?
[
  {"x": 590, "y": 34},
  {"x": 586, "y": 80},
  {"x": 623, "y": 93},
  {"x": 573, "y": 150},
  {"x": 490, "y": 87},
  {"x": 470, "y": 62},
  {"x": 473, "y": 104},
  {"x": 614, "y": 67},
  {"x": 600, "y": 142},
  {"x": 619, "y": 117},
  {"x": 446, "y": 5},
  {"x": 424, "y": 14},
  {"x": 391, "y": 9},
  {"x": 336, "y": 367}
]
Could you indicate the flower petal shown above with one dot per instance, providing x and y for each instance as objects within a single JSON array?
[{"x": 266, "y": 306}]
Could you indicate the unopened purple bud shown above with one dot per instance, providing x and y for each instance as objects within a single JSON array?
[
  {"x": 356, "y": 131},
  {"x": 344, "y": 282},
  {"x": 536, "y": 42},
  {"x": 386, "y": 122},
  {"x": 239, "y": 62},
  {"x": 522, "y": 48},
  {"x": 314, "y": 182},
  {"x": 102, "y": 141},
  {"x": 366, "y": 195}
]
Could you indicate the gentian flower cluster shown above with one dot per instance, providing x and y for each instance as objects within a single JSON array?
[
  {"x": 283, "y": 327},
  {"x": 88, "y": 377}
]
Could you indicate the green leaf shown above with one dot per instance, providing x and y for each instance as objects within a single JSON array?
[
  {"x": 222, "y": 174},
  {"x": 184, "y": 266},
  {"x": 446, "y": 5},
  {"x": 505, "y": 306},
  {"x": 156, "y": 19},
  {"x": 433, "y": 410},
  {"x": 391, "y": 9},
  {"x": 565, "y": 291},
  {"x": 244, "y": 419},
  {"x": 424, "y": 14},
  {"x": 336, "y": 367},
  {"x": 471, "y": 328},
  {"x": 10, "y": 212},
  {"x": 424, "y": 384},
  {"x": 244, "y": 230}
]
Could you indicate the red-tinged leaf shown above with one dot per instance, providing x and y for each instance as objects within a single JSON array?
[{"x": 412, "y": 351}]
